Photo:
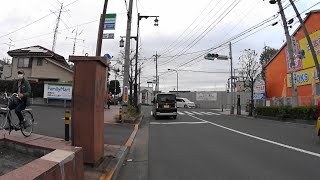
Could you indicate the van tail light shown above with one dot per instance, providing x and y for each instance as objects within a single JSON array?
[{"x": 157, "y": 105}]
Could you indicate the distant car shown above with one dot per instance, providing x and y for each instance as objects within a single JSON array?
[
  {"x": 185, "y": 103},
  {"x": 164, "y": 105}
]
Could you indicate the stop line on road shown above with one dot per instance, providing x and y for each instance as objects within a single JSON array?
[{"x": 192, "y": 113}]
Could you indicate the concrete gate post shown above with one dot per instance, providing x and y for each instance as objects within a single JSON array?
[{"x": 88, "y": 95}]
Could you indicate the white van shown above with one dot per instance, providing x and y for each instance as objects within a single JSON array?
[{"x": 185, "y": 103}]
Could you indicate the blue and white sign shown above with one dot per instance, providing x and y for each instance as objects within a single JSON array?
[
  {"x": 58, "y": 91},
  {"x": 259, "y": 95},
  {"x": 110, "y": 22}
]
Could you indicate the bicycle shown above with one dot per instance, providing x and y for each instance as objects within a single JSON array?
[{"x": 5, "y": 117}]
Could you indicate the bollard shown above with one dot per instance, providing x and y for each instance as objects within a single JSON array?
[
  {"x": 66, "y": 125},
  {"x": 222, "y": 107},
  {"x": 120, "y": 113}
]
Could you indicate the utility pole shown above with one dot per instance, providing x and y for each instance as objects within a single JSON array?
[
  {"x": 306, "y": 34},
  {"x": 75, "y": 39},
  {"x": 231, "y": 79},
  {"x": 9, "y": 44},
  {"x": 157, "y": 78},
  {"x": 100, "y": 31},
  {"x": 136, "y": 65},
  {"x": 139, "y": 82},
  {"x": 131, "y": 82},
  {"x": 290, "y": 51},
  {"x": 127, "y": 56},
  {"x": 56, "y": 29}
]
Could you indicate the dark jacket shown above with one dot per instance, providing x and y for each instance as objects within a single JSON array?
[{"x": 25, "y": 89}]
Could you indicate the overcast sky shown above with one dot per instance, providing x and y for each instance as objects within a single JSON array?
[{"x": 184, "y": 27}]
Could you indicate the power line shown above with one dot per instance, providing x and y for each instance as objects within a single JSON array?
[
  {"x": 26, "y": 25},
  {"x": 194, "y": 34},
  {"x": 167, "y": 48},
  {"x": 246, "y": 31},
  {"x": 49, "y": 33},
  {"x": 239, "y": 35},
  {"x": 206, "y": 31}
]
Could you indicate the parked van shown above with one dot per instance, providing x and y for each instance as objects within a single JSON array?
[{"x": 164, "y": 104}]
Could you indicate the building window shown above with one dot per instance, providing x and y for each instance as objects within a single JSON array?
[
  {"x": 24, "y": 62},
  {"x": 39, "y": 62}
]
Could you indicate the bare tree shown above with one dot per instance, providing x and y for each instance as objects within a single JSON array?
[
  {"x": 249, "y": 71},
  {"x": 131, "y": 75}
]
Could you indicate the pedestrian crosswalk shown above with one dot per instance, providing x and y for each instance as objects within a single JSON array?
[{"x": 192, "y": 113}]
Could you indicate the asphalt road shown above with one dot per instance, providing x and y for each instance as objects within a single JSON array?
[
  {"x": 49, "y": 121},
  {"x": 201, "y": 144}
]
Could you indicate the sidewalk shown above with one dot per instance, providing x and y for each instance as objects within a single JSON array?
[
  {"x": 116, "y": 147},
  {"x": 110, "y": 113}
]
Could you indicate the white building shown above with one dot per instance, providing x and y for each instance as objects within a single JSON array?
[{"x": 146, "y": 95}]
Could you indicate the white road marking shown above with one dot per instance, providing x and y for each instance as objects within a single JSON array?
[
  {"x": 196, "y": 112},
  {"x": 261, "y": 139},
  {"x": 178, "y": 123},
  {"x": 211, "y": 113},
  {"x": 181, "y": 113},
  {"x": 189, "y": 113}
]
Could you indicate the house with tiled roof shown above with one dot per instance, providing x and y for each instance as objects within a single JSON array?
[{"x": 39, "y": 64}]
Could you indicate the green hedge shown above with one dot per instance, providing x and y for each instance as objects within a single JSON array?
[{"x": 287, "y": 112}]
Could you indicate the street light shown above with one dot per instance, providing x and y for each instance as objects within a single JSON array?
[
  {"x": 122, "y": 41},
  {"x": 156, "y": 23},
  {"x": 272, "y": 1},
  {"x": 177, "y": 78}
]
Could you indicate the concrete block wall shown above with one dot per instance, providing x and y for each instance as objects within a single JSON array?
[{"x": 223, "y": 99}]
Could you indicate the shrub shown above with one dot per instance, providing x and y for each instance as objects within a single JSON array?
[{"x": 283, "y": 112}]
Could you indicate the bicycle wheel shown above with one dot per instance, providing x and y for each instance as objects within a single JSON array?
[
  {"x": 27, "y": 128},
  {"x": 3, "y": 120}
]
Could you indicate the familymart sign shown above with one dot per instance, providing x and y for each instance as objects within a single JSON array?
[
  {"x": 57, "y": 91},
  {"x": 110, "y": 22}
]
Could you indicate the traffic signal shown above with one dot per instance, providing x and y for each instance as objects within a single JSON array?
[{"x": 212, "y": 56}]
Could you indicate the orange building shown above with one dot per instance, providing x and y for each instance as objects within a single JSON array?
[{"x": 278, "y": 83}]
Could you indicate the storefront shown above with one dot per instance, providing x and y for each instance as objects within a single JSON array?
[{"x": 278, "y": 77}]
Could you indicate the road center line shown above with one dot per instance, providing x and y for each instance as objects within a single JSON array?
[
  {"x": 261, "y": 139},
  {"x": 178, "y": 122}
]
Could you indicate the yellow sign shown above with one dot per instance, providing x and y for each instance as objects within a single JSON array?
[
  {"x": 307, "y": 60},
  {"x": 305, "y": 68},
  {"x": 303, "y": 77}
]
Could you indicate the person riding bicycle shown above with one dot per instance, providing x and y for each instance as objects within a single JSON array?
[{"x": 22, "y": 87}]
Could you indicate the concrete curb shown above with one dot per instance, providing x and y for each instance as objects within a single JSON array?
[{"x": 116, "y": 164}]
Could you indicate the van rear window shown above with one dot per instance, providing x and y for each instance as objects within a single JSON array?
[{"x": 167, "y": 98}]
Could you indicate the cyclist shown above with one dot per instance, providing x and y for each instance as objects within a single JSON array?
[{"x": 22, "y": 87}]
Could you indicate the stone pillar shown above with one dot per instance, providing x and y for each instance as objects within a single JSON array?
[{"x": 88, "y": 106}]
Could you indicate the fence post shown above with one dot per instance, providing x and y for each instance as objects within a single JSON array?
[{"x": 66, "y": 125}]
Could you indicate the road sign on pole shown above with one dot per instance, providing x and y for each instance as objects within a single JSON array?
[
  {"x": 110, "y": 22},
  {"x": 108, "y": 36}
]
